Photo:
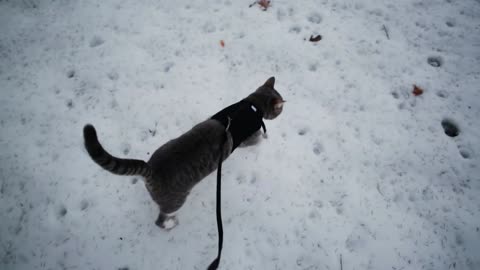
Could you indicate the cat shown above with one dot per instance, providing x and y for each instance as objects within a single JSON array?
[{"x": 178, "y": 165}]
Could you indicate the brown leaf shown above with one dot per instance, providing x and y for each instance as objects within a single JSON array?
[
  {"x": 222, "y": 43},
  {"x": 417, "y": 91},
  {"x": 315, "y": 39},
  {"x": 265, "y": 4}
]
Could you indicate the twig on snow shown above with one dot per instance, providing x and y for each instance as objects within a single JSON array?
[
  {"x": 386, "y": 31},
  {"x": 265, "y": 4},
  {"x": 341, "y": 262},
  {"x": 379, "y": 191}
]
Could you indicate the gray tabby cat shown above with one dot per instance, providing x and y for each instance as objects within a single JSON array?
[{"x": 178, "y": 165}]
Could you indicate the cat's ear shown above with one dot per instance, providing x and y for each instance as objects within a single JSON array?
[{"x": 270, "y": 82}]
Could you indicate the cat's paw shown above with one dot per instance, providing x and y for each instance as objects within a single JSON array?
[
  {"x": 168, "y": 223},
  {"x": 265, "y": 135}
]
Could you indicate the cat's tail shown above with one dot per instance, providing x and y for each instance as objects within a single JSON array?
[{"x": 109, "y": 162}]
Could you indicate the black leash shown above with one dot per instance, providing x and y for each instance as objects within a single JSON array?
[{"x": 216, "y": 262}]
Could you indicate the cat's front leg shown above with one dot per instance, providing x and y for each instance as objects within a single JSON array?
[
  {"x": 254, "y": 139},
  {"x": 166, "y": 222}
]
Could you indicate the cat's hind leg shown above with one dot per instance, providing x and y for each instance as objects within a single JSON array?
[
  {"x": 166, "y": 222},
  {"x": 168, "y": 207}
]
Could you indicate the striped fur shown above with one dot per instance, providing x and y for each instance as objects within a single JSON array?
[{"x": 109, "y": 162}]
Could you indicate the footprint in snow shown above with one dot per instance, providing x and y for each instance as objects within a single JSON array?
[
  {"x": 84, "y": 205},
  {"x": 112, "y": 75},
  {"x": 302, "y": 131},
  {"x": 168, "y": 66},
  {"x": 312, "y": 67},
  {"x": 70, "y": 73},
  {"x": 317, "y": 148},
  {"x": 62, "y": 212},
  {"x": 465, "y": 151},
  {"x": 126, "y": 148},
  {"x": 295, "y": 29},
  {"x": 450, "y": 128},
  {"x": 209, "y": 27},
  {"x": 450, "y": 23},
  {"x": 281, "y": 14},
  {"x": 69, "y": 103},
  {"x": 442, "y": 94},
  {"x": 435, "y": 61},
  {"x": 96, "y": 41},
  {"x": 315, "y": 18}
]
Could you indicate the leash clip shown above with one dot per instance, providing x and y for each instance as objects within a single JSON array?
[{"x": 228, "y": 124}]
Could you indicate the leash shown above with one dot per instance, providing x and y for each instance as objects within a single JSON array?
[{"x": 216, "y": 262}]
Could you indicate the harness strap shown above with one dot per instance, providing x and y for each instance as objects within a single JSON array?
[{"x": 216, "y": 262}]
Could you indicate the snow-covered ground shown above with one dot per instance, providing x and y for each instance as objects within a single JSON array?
[{"x": 357, "y": 173}]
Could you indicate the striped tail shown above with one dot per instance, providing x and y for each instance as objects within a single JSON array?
[{"x": 109, "y": 162}]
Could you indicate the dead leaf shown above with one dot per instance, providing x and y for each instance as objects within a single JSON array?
[
  {"x": 417, "y": 91},
  {"x": 222, "y": 43},
  {"x": 265, "y": 4},
  {"x": 315, "y": 39}
]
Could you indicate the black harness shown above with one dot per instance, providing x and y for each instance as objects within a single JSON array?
[{"x": 242, "y": 120}]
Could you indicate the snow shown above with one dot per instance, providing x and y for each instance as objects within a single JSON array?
[{"x": 357, "y": 171}]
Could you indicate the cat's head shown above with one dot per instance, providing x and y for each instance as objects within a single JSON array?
[{"x": 268, "y": 99}]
